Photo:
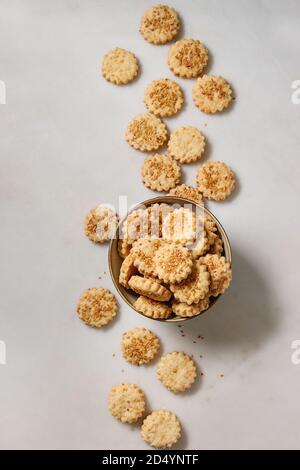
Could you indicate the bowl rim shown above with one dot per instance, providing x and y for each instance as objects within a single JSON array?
[{"x": 160, "y": 200}]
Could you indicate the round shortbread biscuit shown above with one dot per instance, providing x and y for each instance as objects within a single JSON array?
[
  {"x": 215, "y": 180},
  {"x": 188, "y": 58},
  {"x": 127, "y": 270},
  {"x": 143, "y": 252},
  {"x": 146, "y": 132},
  {"x": 152, "y": 308},
  {"x": 186, "y": 144},
  {"x": 127, "y": 402},
  {"x": 212, "y": 94},
  {"x": 220, "y": 273},
  {"x": 176, "y": 371},
  {"x": 195, "y": 287},
  {"x": 187, "y": 192},
  {"x": 119, "y": 66},
  {"x": 173, "y": 263},
  {"x": 100, "y": 224},
  {"x": 139, "y": 346},
  {"x": 160, "y": 172},
  {"x": 161, "y": 429},
  {"x": 160, "y": 24},
  {"x": 149, "y": 288},
  {"x": 97, "y": 307},
  {"x": 163, "y": 97},
  {"x": 183, "y": 310},
  {"x": 180, "y": 226}
]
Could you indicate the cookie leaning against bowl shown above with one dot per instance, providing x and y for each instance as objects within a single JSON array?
[
  {"x": 119, "y": 66},
  {"x": 212, "y": 94},
  {"x": 160, "y": 24}
]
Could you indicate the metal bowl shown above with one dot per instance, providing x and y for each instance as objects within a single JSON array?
[{"x": 115, "y": 260}]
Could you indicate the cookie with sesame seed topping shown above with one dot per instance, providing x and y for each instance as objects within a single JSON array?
[
  {"x": 152, "y": 308},
  {"x": 100, "y": 224},
  {"x": 143, "y": 252},
  {"x": 149, "y": 288},
  {"x": 160, "y": 172},
  {"x": 187, "y": 192},
  {"x": 188, "y": 58},
  {"x": 127, "y": 402},
  {"x": 163, "y": 97},
  {"x": 186, "y": 144},
  {"x": 139, "y": 346},
  {"x": 146, "y": 132},
  {"x": 173, "y": 263},
  {"x": 97, "y": 307},
  {"x": 220, "y": 273},
  {"x": 215, "y": 180},
  {"x": 119, "y": 66},
  {"x": 176, "y": 371},
  {"x": 160, "y": 24},
  {"x": 212, "y": 94},
  {"x": 195, "y": 287},
  {"x": 161, "y": 429}
]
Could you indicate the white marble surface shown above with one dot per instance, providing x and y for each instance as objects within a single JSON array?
[{"x": 63, "y": 151}]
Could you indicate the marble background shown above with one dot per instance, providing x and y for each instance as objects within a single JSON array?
[{"x": 62, "y": 151}]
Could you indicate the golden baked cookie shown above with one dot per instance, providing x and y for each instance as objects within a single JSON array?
[
  {"x": 127, "y": 402},
  {"x": 143, "y": 252},
  {"x": 195, "y": 287},
  {"x": 201, "y": 245},
  {"x": 176, "y": 371},
  {"x": 161, "y": 429},
  {"x": 182, "y": 309},
  {"x": 119, "y": 66},
  {"x": 187, "y": 192},
  {"x": 215, "y": 180},
  {"x": 152, "y": 308},
  {"x": 146, "y": 132},
  {"x": 139, "y": 346},
  {"x": 186, "y": 144},
  {"x": 216, "y": 244},
  {"x": 212, "y": 94},
  {"x": 188, "y": 58},
  {"x": 180, "y": 226},
  {"x": 173, "y": 263},
  {"x": 135, "y": 226},
  {"x": 100, "y": 224},
  {"x": 220, "y": 273},
  {"x": 149, "y": 288},
  {"x": 160, "y": 172},
  {"x": 160, "y": 24},
  {"x": 97, "y": 307},
  {"x": 163, "y": 97},
  {"x": 127, "y": 270},
  {"x": 124, "y": 247}
]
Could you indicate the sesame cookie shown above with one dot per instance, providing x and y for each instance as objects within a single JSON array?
[
  {"x": 182, "y": 309},
  {"x": 139, "y": 346},
  {"x": 187, "y": 58},
  {"x": 160, "y": 24},
  {"x": 215, "y": 180},
  {"x": 135, "y": 226},
  {"x": 220, "y": 273},
  {"x": 160, "y": 172},
  {"x": 152, "y": 308},
  {"x": 173, "y": 263},
  {"x": 100, "y": 224},
  {"x": 201, "y": 245},
  {"x": 187, "y": 192},
  {"x": 146, "y": 132},
  {"x": 163, "y": 97},
  {"x": 143, "y": 252},
  {"x": 180, "y": 226},
  {"x": 97, "y": 307},
  {"x": 176, "y": 371},
  {"x": 127, "y": 402},
  {"x": 119, "y": 66},
  {"x": 186, "y": 144},
  {"x": 195, "y": 287},
  {"x": 149, "y": 288},
  {"x": 212, "y": 94},
  {"x": 127, "y": 270},
  {"x": 161, "y": 429}
]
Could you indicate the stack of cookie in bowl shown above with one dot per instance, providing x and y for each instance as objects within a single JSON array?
[{"x": 173, "y": 265}]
